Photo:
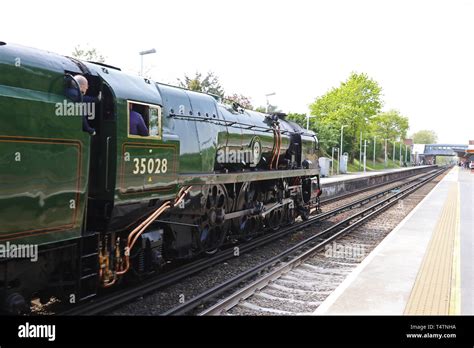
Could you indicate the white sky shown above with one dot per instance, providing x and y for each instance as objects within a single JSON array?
[{"x": 421, "y": 52}]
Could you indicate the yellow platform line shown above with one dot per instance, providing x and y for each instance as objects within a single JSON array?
[
  {"x": 455, "y": 300},
  {"x": 431, "y": 293}
]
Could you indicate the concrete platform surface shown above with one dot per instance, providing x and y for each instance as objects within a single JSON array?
[
  {"x": 357, "y": 175},
  {"x": 342, "y": 184},
  {"x": 424, "y": 266}
]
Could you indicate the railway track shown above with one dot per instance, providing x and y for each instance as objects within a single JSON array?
[
  {"x": 122, "y": 296},
  {"x": 279, "y": 265}
]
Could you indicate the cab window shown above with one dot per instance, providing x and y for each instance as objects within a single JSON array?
[
  {"x": 154, "y": 124},
  {"x": 144, "y": 120}
]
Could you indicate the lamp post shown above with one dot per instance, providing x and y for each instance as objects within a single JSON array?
[
  {"x": 340, "y": 147},
  {"x": 365, "y": 154},
  {"x": 142, "y": 53},
  {"x": 366, "y": 120},
  {"x": 332, "y": 161},
  {"x": 308, "y": 116},
  {"x": 375, "y": 143},
  {"x": 400, "y": 154},
  {"x": 375, "y": 137},
  {"x": 386, "y": 159},
  {"x": 338, "y": 153},
  {"x": 268, "y": 105},
  {"x": 394, "y": 145},
  {"x": 406, "y": 149}
]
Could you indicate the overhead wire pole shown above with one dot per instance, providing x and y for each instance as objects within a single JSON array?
[
  {"x": 394, "y": 146},
  {"x": 332, "y": 162},
  {"x": 400, "y": 154},
  {"x": 142, "y": 53},
  {"x": 365, "y": 154},
  {"x": 268, "y": 104},
  {"x": 366, "y": 120},
  {"x": 340, "y": 147},
  {"x": 375, "y": 137},
  {"x": 308, "y": 116}
]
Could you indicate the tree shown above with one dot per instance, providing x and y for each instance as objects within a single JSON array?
[
  {"x": 209, "y": 84},
  {"x": 390, "y": 125},
  {"x": 88, "y": 54},
  {"x": 327, "y": 136},
  {"x": 425, "y": 137},
  {"x": 242, "y": 100},
  {"x": 352, "y": 104},
  {"x": 297, "y": 118}
]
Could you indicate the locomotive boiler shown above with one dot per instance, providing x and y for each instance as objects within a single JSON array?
[{"x": 113, "y": 205}]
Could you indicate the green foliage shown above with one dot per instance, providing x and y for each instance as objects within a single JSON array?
[
  {"x": 442, "y": 161},
  {"x": 327, "y": 135},
  {"x": 355, "y": 103},
  {"x": 297, "y": 118},
  {"x": 209, "y": 84},
  {"x": 390, "y": 125},
  {"x": 425, "y": 137},
  {"x": 88, "y": 54}
]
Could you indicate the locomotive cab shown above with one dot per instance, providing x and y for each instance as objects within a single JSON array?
[
  {"x": 151, "y": 117},
  {"x": 92, "y": 191}
]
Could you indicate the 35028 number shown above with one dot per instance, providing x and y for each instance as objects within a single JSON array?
[{"x": 150, "y": 165}]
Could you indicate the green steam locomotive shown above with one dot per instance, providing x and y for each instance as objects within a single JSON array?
[{"x": 100, "y": 203}]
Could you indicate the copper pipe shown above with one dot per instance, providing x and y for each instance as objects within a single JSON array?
[
  {"x": 274, "y": 148},
  {"x": 157, "y": 213},
  {"x": 146, "y": 222},
  {"x": 277, "y": 145},
  {"x": 127, "y": 263},
  {"x": 109, "y": 284},
  {"x": 180, "y": 198},
  {"x": 139, "y": 227},
  {"x": 138, "y": 231},
  {"x": 279, "y": 149}
]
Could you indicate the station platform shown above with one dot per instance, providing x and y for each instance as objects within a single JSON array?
[
  {"x": 357, "y": 175},
  {"x": 344, "y": 183},
  {"x": 424, "y": 266}
]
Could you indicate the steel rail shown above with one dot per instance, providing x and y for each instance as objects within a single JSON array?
[
  {"x": 122, "y": 296},
  {"x": 339, "y": 229}
]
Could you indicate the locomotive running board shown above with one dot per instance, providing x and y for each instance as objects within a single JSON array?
[{"x": 230, "y": 178}]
